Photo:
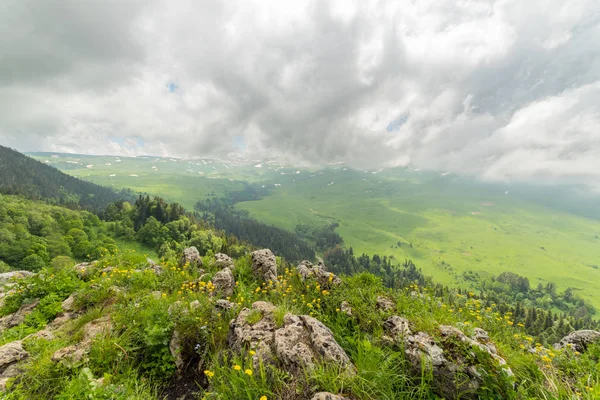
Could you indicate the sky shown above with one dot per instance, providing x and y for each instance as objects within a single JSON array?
[{"x": 504, "y": 90}]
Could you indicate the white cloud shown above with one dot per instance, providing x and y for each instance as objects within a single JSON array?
[{"x": 499, "y": 89}]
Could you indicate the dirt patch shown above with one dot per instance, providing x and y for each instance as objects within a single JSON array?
[{"x": 185, "y": 387}]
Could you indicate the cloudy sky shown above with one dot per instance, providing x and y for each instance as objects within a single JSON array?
[{"x": 506, "y": 89}]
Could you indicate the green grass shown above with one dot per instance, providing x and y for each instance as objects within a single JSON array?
[{"x": 453, "y": 225}]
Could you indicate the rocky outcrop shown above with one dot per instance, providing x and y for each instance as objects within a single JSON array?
[
  {"x": 69, "y": 304},
  {"x": 299, "y": 344},
  {"x": 224, "y": 282},
  {"x": 264, "y": 265},
  {"x": 251, "y": 327},
  {"x": 304, "y": 340},
  {"x": 223, "y": 261},
  {"x": 327, "y": 396},
  {"x": 326, "y": 279},
  {"x": 579, "y": 340},
  {"x": 459, "y": 365},
  {"x": 191, "y": 257},
  {"x": 75, "y": 353},
  {"x": 11, "y": 354},
  {"x": 385, "y": 304},
  {"x": 17, "y": 318}
]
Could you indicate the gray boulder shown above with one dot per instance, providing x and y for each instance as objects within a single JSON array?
[
  {"x": 224, "y": 282},
  {"x": 579, "y": 340},
  {"x": 14, "y": 275},
  {"x": 224, "y": 305},
  {"x": 384, "y": 304},
  {"x": 223, "y": 261},
  {"x": 84, "y": 269},
  {"x": 326, "y": 279},
  {"x": 191, "y": 257},
  {"x": 11, "y": 354},
  {"x": 17, "y": 318},
  {"x": 397, "y": 328},
  {"x": 245, "y": 333},
  {"x": 327, "y": 396},
  {"x": 264, "y": 265},
  {"x": 175, "y": 350},
  {"x": 304, "y": 340}
]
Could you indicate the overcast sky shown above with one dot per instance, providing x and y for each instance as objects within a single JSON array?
[{"x": 505, "y": 90}]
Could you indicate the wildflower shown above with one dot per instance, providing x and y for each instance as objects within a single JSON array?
[
  {"x": 337, "y": 310},
  {"x": 209, "y": 374},
  {"x": 237, "y": 367},
  {"x": 164, "y": 295},
  {"x": 263, "y": 398},
  {"x": 252, "y": 352},
  {"x": 248, "y": 372}
]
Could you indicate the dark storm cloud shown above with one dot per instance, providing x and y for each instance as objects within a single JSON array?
[{"x": 498, "y": 89}]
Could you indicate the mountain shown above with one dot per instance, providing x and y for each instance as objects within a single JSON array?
[{"x": 22, "y": 175}]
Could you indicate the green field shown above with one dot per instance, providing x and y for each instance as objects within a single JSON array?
[{"x": 454, "y": 225}]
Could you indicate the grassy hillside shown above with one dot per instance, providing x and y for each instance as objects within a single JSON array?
[
  {"x": 128, "y": 332},
  {"x": 23, "y": 175},
  {"x": 454, "y": 225}
]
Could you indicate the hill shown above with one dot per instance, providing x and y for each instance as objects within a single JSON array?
[
  {"x": 256, "y": 327},
  {"x": 35, "y": 180},
  {"x": 459, "y": 231}
]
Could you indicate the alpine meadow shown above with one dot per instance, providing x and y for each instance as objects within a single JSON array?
[{"x": 300, "y": 200}]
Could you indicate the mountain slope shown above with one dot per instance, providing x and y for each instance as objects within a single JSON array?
[{"x": 22, "y": 175}]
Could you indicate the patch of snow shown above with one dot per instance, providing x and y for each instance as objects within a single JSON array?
[
  {"x": 133, "y": 175},
  {"x": 344, "y": 169},
  {"x": 329, "y": 184},
  {"x": 107, "y": 164},
  {"x": 72, "y": 162},
  {"x": 263, "y": 186},
  {"x": 201, "y": 173},
  {"x": 506, "y": 192},
  {"x": 258, "y": 166},
  {"x": 445, "y": 173},
  {"x": 277, "y": 185},
  {"x": 47, "y": 161},
  {"x": 54, "y": 156},
  {"x": 89, "y": 166},
  {"x": 111, "y": 175},
  {"x": 189, "y": 170},
  {"x": 118, "y": 160},
  {"x": 297, "y": 172}
]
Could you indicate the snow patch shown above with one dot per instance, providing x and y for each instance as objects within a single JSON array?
[
  {"x": 111, "y": 175},
  {"x": 134, "y": 175},
  {"x": 89, "y": 166},
  {"x": 258, "y": 166}
]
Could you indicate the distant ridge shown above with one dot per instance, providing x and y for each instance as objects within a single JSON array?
[{"x": 22, "y": 175}]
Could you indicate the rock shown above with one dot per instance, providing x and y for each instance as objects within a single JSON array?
[
  {"x": 300, "y": 343},
  {"x": 43, "y": 334},
  {"x": 154, "y": 267},
  {"x": 11, "y": 354},
  {"x": 17, "y": 318},
  {"x": 191, "y": 256},
  {"x": 454, "y": 362},
  {"x": 326, "y": 279},
  {"x": 223, "y": 261},
  {"x": 264, "y": 265},
  {"x": 243, "y": 335},
  {"x": 107, "y": 270},
  {"x": 579, "y": 340},
  {"x": 194, "y": 305},
  {"x": 62, "y": 319},
  {"x": 224, "y": 282},
  {"x": 397, "y": 328},
  {"x": 346, "y": 309},
  {"x": 75, "y": 353},
  {"x": 327, "y": 396},
  {"x": 304, "y": 340},
  {"x": 224, "y": 304},
  {"x": 482, "y": 337},
  {"x": 69, "y": 303},
  {"x": 84, "y": 269},
  {"x": 14, "y": 275},
  {"x": 175, "y": 350},
  {"x": 385, "y": 304}
]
